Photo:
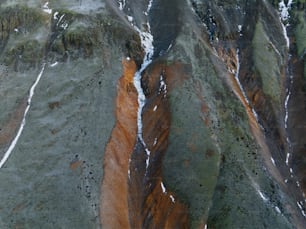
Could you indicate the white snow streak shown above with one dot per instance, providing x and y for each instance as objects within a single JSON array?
[
  {"x": 163, "y": 187},
  {"x": 163, "y": 86},
  {"x": 273, "y": 161},
  {"x": 300, "y": 205},
  {"x": 236, "y": 72},
  {"x": 147, "y": 44},
  {"x": 54, "y": 64},
  {"x": 265, "y": 199},
  {"x": 46, "y": 8},
  {"x": 121, "y": 4},
  {"x": 155, "y": 142},
  {"x": 284, "y": 9},
  {"x": 23, "y": 122},
  {"x": 155, "y": 108},
  {"x": 172, "y": 199}
]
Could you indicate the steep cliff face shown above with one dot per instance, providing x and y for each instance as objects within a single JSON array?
[{"x": 204, "y": 128}]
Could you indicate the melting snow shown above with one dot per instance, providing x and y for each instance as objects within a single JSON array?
[
  {"x": 300, "y": 205},
  {"x": 278, "y": 210},
  {"x": 155, "y": 142},
  {"x": 239, "y": 28},
  {"x": 121, "y": 4},
  {"x": 265, "y": 199},
  {"x": 54, "y": 64},
  {"x": 23, "y": 122},
  {"x": 241, "y": 88},
  {"x": 55, "y": 15},
  {"x": 287, "y": 159},
  {"x": 172, "y": 198},
  {"x": 149, "y": 5},
  {"x": 284, "y": 9},
  {"x": 163, "y": 86},
  {"x": 163, "y": 187},
  {"x": 46, "y": 8},
  {"x": 130, "y": 18}
]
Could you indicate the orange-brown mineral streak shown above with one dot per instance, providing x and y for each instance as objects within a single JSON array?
[
  {"x": 114, "y": 205},
  {"x": 162, "y": 206},
  {"x": 231, "y": 62},
  {"x": 8, "y": 131}
]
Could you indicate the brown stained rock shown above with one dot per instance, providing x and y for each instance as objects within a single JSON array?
[
  {"x": 132, "y": 195},
  {"x": 114, "y": 193},
  {"x": 8, "y": 131},
  {"x": 75, "y": 164},
  {"x": 272, "y": 138},
  {"x": 160, "y": 208},
  {"x": 54, "y": 105}
]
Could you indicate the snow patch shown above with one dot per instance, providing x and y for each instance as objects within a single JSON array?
[
  {"x": 284, "y": 9},
  {"x": 163, "y": 86},
  {"x": 265, "y": 199},
  {"x": 46, "y": 8},
  {"x": 121, "y": 4},
  {"x": 55, "y": 15},
  {"x": 277, "y": 210},
  {"x": 130, "y": 18},
  {"x": 273, "y": 161},
  {"x": 155, "y": 108},
  {"x": 163, "y": 187},
  {"x": 300, "y": 205},
  {"x": 287, "y": 159},
  {"x": 155, "y": 142},
  {"x": 172, "y": 199},
  {"x": 54, "y": 64}
]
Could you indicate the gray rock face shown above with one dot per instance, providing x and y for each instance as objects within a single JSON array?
[
  {"x": 52, "y": 177},
  {"x": 235, "y": 155}
]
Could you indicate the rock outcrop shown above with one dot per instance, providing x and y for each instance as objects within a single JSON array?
[{"x": 218, "y": 143}]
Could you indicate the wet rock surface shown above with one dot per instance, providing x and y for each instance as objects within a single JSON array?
[{"x": 223, "y": 123}]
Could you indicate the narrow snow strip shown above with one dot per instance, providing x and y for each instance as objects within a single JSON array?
[
  {"x": 149, "y": 5},
  {"x": 155, "y": 142},
  {"x": 284, "y": 9},
  {"x": 54, "y": 64},
  {"x": 46, "y": 8},
  {"x": 172, "y": 199},
  {"x": 121, "y": 4},
  {"x": 242, "y": 90},
  {"x": 300, "y": 205},
  {"x": 163, "y": 187},
  {"x": 287, "y": 159},
  {"x": 23, "y": 122},
  {"x": 155, "y": 108},
  {"x": 277, "y": 210},
  {"x": 273, "y": 161},
  {"x": 265, "y": 199},
  {"x": 284, "y": 16}
]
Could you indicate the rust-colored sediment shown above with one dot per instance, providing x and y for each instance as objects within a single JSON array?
[
  {"x": 8, "y": 131},
  {"x": 258, "y": 101},
  {"x": 154, "y": 206},
  {"x": 132, "y": 195},
  {"x": 114, "y": 205}
]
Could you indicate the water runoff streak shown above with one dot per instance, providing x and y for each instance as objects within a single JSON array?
[
  {"x": 147, "y": 44},
  {"x": 23, "y": 122}
]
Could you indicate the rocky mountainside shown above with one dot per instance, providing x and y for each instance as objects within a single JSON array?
[{"x": 153, "y": 114}]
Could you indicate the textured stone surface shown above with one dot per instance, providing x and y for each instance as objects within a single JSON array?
[{"x": 219, "y": 135}]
